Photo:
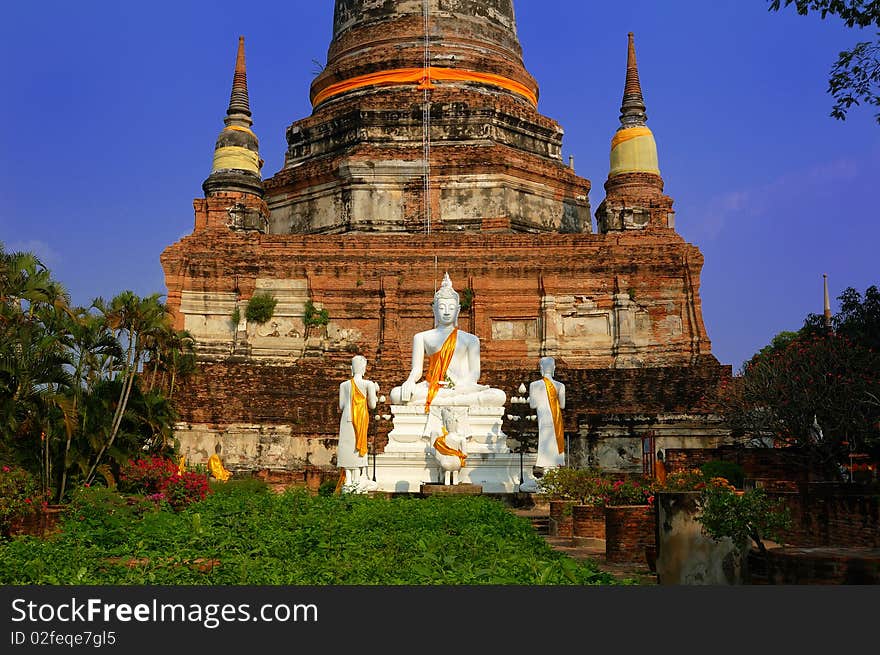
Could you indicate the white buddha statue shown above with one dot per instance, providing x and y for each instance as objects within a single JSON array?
[{"x": 453, "y": 362}]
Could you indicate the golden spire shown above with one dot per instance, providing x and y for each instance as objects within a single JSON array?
[
  {"x": 237, "y": 160},
  {"x": 633, "y": 149}
]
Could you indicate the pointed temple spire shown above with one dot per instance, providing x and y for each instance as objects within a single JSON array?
[
  {"x": 238, "y": 101},
  {"x": 237, "y": 162},
  {"x": 633, "y": 148},
  {"x": 634, "y": 197},
  {"x": 632, "y": 110},
  {"x": 827, "y": 309}
]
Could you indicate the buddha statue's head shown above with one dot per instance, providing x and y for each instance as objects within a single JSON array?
[
  {"x": 446, "y": 304},
  {"x": 547, "y": 366},
  {"x": 358, "y": 365}
]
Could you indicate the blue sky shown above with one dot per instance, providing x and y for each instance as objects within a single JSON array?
[{"x": 111, "y": 110}]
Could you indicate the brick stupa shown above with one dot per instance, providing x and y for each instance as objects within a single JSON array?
[{"x": 425, "y": 154}]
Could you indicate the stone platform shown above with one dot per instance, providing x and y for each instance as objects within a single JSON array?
[
  {"x": 407, "y": 472},
  {"x": 433, "y": 489}
]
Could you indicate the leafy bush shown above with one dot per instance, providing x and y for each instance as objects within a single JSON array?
[
  {"x": 630, "y": 492},
  {"x": 685, "y": 480},
  {"x": 238, "y": 485},
  {"x": 184, "y": 489},
  {"x": 559, "y": 483},
  {"x": 260, "y": 308},
  {"x": 742, "y": 516},
  {"x": 730, "y": 471},
  {"x": 314, "y": 317},
  {"x": 327, "y": 488},
  {"x": 19, "y": 496},
  {"x": 146, "y": 476},
  {"x": 589, "y": 487},
  {"x": 102, "y": 516}
]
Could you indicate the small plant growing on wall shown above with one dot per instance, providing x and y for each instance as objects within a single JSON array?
[
  {"x": 236, "y": 317},
  {"x": 260, "y": 308},
  {"x": 467, "y": 299},
  {"x": 315, "y": 317}
]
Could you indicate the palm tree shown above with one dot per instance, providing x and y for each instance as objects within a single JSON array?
[{"x": 137, "y": 319}]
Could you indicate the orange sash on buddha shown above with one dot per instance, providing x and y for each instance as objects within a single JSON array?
[
  {"x": 360, "y": 418},
  {"x": 438, "y": 364},
  {"x": 556, "y": 412},
  {"x": 443, "y": 448}
]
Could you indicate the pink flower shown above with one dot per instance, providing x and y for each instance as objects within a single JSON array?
[{"x": 6, "y": 469}]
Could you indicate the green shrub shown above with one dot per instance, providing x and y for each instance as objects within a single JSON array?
[
  {"x": 19, "y": 496},
  {"x": 327, "y": 488},
  {"x": 314, "y": 317},
  {"x": 235, "y": 486},
  {"x": 185, "y": 489},
  {"x": 102, "y": 516},
  {"x": 742, "y": 516},
  {"x": 685, "y": 480},
  {"x": 146, "y": 476},
  {"x": 730, "y": 471},
  {"x": 260, "y": 308}
]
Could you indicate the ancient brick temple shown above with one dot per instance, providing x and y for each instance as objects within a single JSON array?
[{"x": 425, "y": 154}]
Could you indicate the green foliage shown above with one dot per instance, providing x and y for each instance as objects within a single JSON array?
[
  {"x": 816, "y": 391},
  {"x": 589, "y": 487},
  {"x": 235, "y": 318},
  {"x": 260, "y": 308},
  {"x": 146, "y": 476},
  {"x": 294, "y": 539},
  {"x": 745, "y": 517},
  {"x": 855, "y": 77},
  {"x": 685, "y": 480},
  {"x": 182, "y": 490},
  {"x": 82, "y": 389},
  {"x": 467, "y": 299},
  {"x": 19, "y": 495},
  {"x": 239, "y": 486},
  {"x": 730, "y": 471},
  {"x": 314, "y": 317},
  {"x": 327, "y": 488},
  {"x": 98, "y": 516}
]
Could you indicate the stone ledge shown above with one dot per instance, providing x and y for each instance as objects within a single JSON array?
[{"x": 430, "y": 489}]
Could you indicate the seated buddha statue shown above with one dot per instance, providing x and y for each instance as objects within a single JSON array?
[{"x": 453, "y": 358}]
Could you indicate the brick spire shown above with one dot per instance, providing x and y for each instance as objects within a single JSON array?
[
  {"x": 632, "y": 110},
  {"x": 237, "y": 161},
  {"x": 238, "y": 101},
  {"x": 827, "y": 308}
]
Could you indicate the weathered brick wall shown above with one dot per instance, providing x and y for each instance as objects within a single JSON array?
[
  {"x": 306, "y": 394},
  {"x": 758, "y": 463},
  {"x": 383, "y": 284},
  {"x": 628, "y": 530},
  {"x": 808, "y": 567},
  {"x": 827, "y": 514}
]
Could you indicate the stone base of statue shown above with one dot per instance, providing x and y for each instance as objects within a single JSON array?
[
  {"x": 406, "y": 472},
  {"x": 433, "y": 489},
  {"x": 408, "y": 461},
  {"x": 412, "y": 425}
]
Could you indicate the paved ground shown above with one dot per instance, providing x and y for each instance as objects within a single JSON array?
[{"x": 635, "y": 571}]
